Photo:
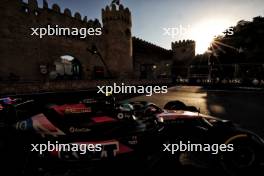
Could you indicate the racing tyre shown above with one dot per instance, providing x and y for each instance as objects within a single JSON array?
[
  {"x": 175, "y": 105},
  {"x": 244, "y": 159},
  {"x": 192, "y": 109}
]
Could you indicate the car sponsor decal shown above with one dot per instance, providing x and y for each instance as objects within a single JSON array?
[
  {"x": 78, "y": 130},
  {"x": 77, "y": 110},
  {"x": 71, "y": 109},
  {"x": 24, "y": 125}
]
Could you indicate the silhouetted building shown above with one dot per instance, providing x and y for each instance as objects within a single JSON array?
[{"x": 28, "y": 58}]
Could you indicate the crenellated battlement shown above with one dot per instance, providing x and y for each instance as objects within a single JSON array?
[
  {"x": 116, "y": 12},
  {"x": 183, "y": 43},
  {"x": 183, "y": 50},
  {"x": 32, "y": 7},
  {"x": 146, "y": 44}
]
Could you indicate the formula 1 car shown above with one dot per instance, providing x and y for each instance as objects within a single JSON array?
[
  {"x": 15, "y": 109},
  {"x": 138, "y": 132}
]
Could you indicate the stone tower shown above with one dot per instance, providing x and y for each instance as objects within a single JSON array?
[
  {"x": 183, "y": 51},
  {"x": 117, "y": 25}
]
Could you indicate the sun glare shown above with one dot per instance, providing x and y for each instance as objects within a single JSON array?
[{"x": 204, "y": 32}]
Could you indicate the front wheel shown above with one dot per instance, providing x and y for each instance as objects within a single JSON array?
[
  {"x": 175, "y": 105},
  {"x": 244, "y": 158},
  {"x": 178, "y": 105}
]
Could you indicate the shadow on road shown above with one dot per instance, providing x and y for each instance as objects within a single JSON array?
[{"x": 244, "y": 108}]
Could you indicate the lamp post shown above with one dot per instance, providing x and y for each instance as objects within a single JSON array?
[{"x": 94, "y": 51}]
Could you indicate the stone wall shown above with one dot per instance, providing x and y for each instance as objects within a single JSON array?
[
  {"x": 65, "y": 86},
  {"x": 148, "y": 56},
  {"x": 22, "y": 54}
]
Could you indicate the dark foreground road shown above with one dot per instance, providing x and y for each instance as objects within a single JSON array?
[
  {"x": 245, "y": 107},
  {"x": 242, "y": 106}
]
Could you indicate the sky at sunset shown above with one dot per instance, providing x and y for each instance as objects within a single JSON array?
[{"x": 199, "y": 20}]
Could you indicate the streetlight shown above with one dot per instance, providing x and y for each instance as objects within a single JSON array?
[{"x": 94, "y": 50}]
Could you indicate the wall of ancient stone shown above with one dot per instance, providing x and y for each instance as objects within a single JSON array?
[{"x": 22, "y": 54}]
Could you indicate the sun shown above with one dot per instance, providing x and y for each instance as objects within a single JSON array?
[{"x": 204, "y": 32}]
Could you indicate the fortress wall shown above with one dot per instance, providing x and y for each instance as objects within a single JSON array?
[{"x": 22, "y": 54}]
